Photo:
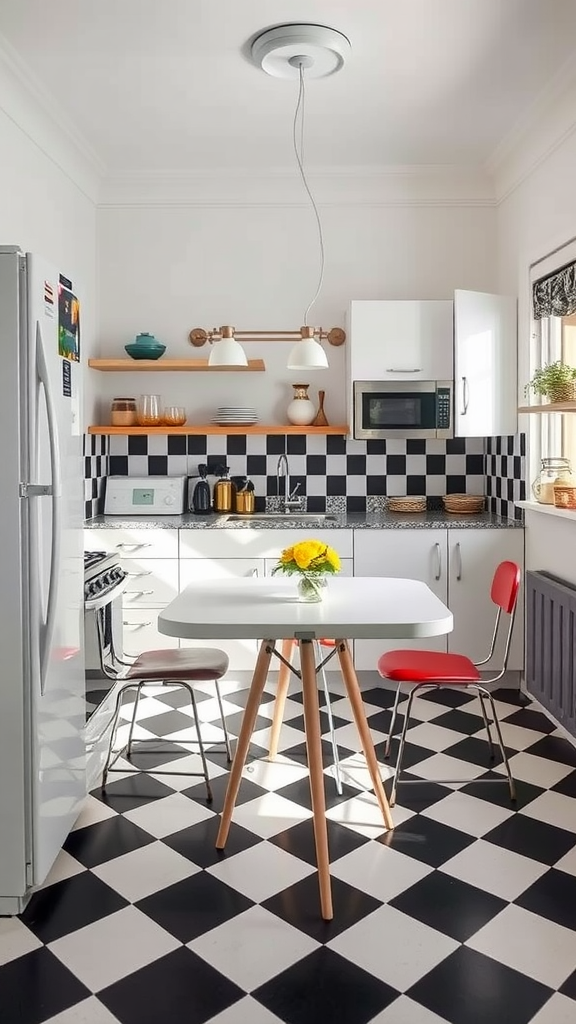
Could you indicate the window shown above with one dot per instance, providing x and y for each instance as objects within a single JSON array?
[{"x": 554, "y": 337}]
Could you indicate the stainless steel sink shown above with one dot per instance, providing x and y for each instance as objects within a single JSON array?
[{"x": 281, "y": 517}]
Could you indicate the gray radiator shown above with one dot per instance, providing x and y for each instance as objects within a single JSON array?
[{"x": 551, "y": 645}]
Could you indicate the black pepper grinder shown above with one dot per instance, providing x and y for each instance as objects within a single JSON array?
[{"x": 201, "y": 505}]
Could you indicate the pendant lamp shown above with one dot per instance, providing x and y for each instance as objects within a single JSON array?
[{"x": 287, "y": 51}]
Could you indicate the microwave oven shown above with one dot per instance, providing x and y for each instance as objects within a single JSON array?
[{"x": 396, "y": 408}]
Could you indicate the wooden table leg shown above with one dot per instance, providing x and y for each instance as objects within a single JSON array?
[
  {"x": 281, "y": 693},
  {"x": 355, "y": 698},
  {"x": 253, "y": 703},
  {"x": 315, "y": 767}
]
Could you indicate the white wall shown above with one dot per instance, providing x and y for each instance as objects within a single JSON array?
[
  {"x": 167, "y": 268},
  {"x": 538, "y": 216},
  {"x": 42, "y": 209}
]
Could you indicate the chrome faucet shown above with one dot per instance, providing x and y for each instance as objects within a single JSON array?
[{"x": 290, "y": 501}]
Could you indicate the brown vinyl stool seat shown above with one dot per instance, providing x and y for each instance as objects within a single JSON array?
[{"x": 171, "y": 667}]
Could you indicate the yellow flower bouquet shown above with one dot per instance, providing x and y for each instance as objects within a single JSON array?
[{"x": 312, "y": 561}]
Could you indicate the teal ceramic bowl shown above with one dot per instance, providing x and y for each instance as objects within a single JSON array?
[{"x": 147, "y": 351}]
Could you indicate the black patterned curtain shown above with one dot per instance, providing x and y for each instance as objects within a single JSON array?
[{"x": 555, "y": 295}]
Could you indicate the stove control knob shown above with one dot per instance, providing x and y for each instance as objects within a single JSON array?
[{"x": 169, "y": 499}]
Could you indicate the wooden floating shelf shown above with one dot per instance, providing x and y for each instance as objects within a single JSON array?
[
  {"x": 168, "y": 365},
  {"x": 551, "y": 407},
  {"x": 210, "y": 428}
]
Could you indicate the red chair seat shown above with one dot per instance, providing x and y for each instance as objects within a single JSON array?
[
  {"x": 188, "y": 663},
  {"x": 427, "y": 667}
]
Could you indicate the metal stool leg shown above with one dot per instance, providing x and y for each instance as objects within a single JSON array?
[
  {"x": 320, "y": 670},
  {"x": 511, "y": 783},
  {"x": 398, "y": 768},
  {"x": 113, "y": 731},
  {"x": 133, "y": 722},
  {"x": 392, "y": 722},
  {"x": 225, "y": 730},
  {"x": 481, "y": 698},
  {"x": 187, "y": 686}
]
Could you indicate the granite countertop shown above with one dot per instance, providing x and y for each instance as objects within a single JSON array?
[{"x": 439, "y": 520}]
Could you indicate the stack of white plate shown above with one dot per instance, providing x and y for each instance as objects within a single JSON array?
[{"x": 235, "y": 416}]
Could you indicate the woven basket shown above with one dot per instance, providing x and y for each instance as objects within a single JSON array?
[
  {"x": 463, "y": 504},
  {"x": 563, "y": 392},
  {"x": 406, "y": 503}
]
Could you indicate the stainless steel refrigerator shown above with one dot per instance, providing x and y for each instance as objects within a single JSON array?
[{"x": 42, "y": 749}]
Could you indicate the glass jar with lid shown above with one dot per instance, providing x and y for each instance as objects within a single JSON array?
[
  {"x": 552, "y": 470},
  {"x": 123, "y": 412}
]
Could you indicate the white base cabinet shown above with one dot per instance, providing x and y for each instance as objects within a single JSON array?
[
  {"x": 472, "y": 559},
  {"x": 458, "y": 566},
  {"x": 404, "y": 554}
]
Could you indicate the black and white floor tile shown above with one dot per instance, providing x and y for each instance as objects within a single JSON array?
[{"x": 463, "y": 914}]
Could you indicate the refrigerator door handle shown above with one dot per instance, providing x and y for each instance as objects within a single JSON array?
[{"x": 55, "y": 492}]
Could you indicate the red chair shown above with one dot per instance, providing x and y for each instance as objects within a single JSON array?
[{"x": 432, "y": 669}]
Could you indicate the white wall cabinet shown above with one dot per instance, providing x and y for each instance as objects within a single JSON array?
[
  {"x": 485, "y": 364},
  {"x": 467, "y": 562},
  {"x": 392, "y": 340},
  {"x": 471, "y": 340}
]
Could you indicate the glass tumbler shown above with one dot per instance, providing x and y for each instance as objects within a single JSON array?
[
  {"x": 174, "y": 415},
  {"x": 148, "y": 412}
]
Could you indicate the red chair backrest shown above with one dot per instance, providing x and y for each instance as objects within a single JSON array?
[{"x": 505, "y": 586}]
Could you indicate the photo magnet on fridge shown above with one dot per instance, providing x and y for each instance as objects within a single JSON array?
[{"x": 68, "y": 324}]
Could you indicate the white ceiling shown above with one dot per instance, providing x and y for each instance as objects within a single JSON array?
[{"x": 165, "y": 85}]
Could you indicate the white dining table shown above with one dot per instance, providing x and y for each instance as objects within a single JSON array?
[{"x": 268, "y": 609}]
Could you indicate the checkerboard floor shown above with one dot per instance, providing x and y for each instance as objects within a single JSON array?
[{"x": 465, "y": 913}]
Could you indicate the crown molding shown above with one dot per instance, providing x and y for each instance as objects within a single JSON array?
[
  {"x": 547, "y": 123},
  {"x": 26, "y": 102},
  {"x": 435, "y": 185}
]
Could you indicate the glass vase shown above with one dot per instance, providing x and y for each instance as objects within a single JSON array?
[{"x": 311, "y": 588}]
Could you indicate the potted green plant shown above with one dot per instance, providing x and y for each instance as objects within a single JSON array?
[{"x": 556, "y": 381}]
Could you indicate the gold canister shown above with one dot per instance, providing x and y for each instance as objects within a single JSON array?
[{"x": 244, "y": 502}]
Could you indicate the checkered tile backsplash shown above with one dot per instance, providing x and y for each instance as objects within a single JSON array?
[
  {"x": 506, "y": 474},
  {"x": 95, "y": 472},
  {"x": 324, "y": 466}
]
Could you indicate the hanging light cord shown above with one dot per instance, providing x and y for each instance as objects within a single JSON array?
[{"x": 300, "y": 160}]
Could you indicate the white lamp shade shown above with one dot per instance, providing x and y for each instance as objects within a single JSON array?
[
  {"x": 227, "y": 352},
  {"x": 307, "y": 354}
]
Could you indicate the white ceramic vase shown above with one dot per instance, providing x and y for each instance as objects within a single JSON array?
[{"x": 301, "y": 410}]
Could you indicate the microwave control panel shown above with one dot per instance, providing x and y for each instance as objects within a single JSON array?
[{"x": 443, "y": 414}]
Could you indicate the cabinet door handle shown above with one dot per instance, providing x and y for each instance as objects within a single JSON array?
[
  {"x": 130, "y": 546},
  {"x": 392, "y": 369},
  {"x": 254, "y": 572},
  {"x": 465, "y": 396},
  {"x": 459, "y": 569},
  {"x": 138, "y": 593},
  {"x": 136, "y": 625},
  {"x": 439, "y": 561},
  {"x": 146, "y": 573}
]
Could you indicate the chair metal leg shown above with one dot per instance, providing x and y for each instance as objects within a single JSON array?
[
  {"x": 481, "y": 698},
  {"x": 225, "y": 730},
  {"x": 392, "y": 722},
  {"x": 320, "y": 670},
  {"x": 187, "y": 686},
  {"x": 511, "y": 783},
  {"x": 113, "y": 731},
  {"x": 398, "y": 768},
  {"x": 133, "y": 721}
]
